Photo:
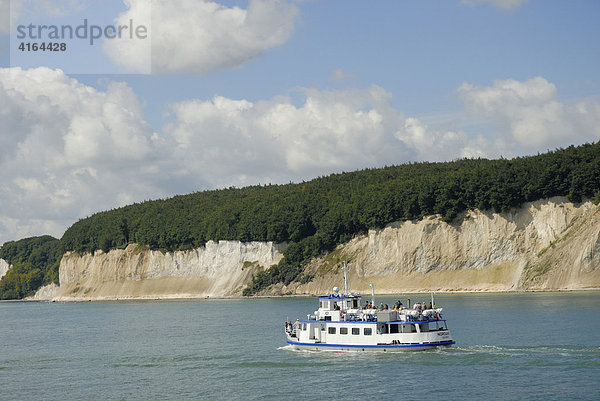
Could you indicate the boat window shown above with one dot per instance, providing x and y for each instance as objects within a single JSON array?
[
  {"x": 355, "y": 331},
  {"x": 424, "y": 327},
  {"x": 331, "y": 330},
  {"x": 343, "y": 330},
  {"x": 368, "y": 331},
  {"x": 355, "y": 303},
  {"x": 394, "y": 328},
  {"x": 304, "y": 326},
  {"x": 321, "y": 304},
  {"x": 322, "y": 327},
  {"x": 409, "y": 328}
]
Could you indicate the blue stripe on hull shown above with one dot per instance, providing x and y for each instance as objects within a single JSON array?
[{"x": 387, "y": 346}]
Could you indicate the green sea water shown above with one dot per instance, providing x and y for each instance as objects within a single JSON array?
[{"x": 535, "y": 346}]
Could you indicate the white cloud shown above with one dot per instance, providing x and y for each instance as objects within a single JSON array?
[
  {"x": 506, "y": 4},
  {"x": 531, "y": 113},
  {"x": 236, "y": 142},
  {"x": 199, "y": 36},
  {"x": 67, "y": 150},
  {"x": 436, "y": 145}
]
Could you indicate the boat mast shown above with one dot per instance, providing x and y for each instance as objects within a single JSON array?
[
  {"x": 345, "y": 270},
  {"x": 372, "y": 294}
]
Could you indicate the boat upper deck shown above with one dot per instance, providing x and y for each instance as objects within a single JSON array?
[{"x": 338, "y": 307}]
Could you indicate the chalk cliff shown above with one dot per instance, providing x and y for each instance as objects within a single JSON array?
[
  {"x": 4, "y": 266},
  {"x": 45, "y": 293},
  {"x": 544, "y": 245},
  {"x": 218, "y": 269}
]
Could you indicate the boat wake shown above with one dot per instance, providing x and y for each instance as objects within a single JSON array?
[
  {"x": 570, "y": 357},
  {"x": 560, "y": 350}
]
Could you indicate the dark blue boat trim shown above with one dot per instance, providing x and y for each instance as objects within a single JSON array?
[{"x": 371, "y": 346}]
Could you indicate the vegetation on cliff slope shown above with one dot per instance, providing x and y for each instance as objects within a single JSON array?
[
  {"x": 317, "y": 215},
  {"x": 34, "y": 263}
]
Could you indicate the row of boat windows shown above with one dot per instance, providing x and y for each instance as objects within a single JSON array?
[
  {"x": 385, "y": 328},
  {"x": 367, "y": 331}
]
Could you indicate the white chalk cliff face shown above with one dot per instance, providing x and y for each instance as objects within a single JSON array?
[
  {"x": 549, "y": 245},
  {"x": 218, "y": 269},
  {"x": 4, "y": 266},
  {"x": 45, "y": 293},
  {"x": 545, "y": 245}
]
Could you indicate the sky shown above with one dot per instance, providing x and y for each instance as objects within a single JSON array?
[{"x": 212, "y": 94}]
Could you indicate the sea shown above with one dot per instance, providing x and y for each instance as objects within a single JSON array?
[{"x": 516, "y": 346}]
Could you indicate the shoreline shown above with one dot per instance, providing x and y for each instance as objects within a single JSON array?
[{"x": 225, "y": 297}]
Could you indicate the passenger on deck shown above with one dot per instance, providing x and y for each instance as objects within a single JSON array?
[{"x": 430, "y": 306}]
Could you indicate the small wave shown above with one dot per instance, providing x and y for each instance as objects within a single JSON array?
[{"x": 134, "y": 365}]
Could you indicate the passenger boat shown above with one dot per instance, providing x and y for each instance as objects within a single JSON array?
[{"x": 342, "y": 324}]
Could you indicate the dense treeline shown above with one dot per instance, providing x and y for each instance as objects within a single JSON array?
[
  {"x": 317, "y": 215},
  {"x": 34, "y": 263}
]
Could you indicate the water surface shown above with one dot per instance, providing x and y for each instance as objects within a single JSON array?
[{"x": 509, "y": 347}]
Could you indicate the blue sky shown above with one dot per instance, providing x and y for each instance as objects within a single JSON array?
[{"x": 248, "y": 92}]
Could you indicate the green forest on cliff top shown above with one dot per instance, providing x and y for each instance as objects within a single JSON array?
[{"x": 317, "y": 215}]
